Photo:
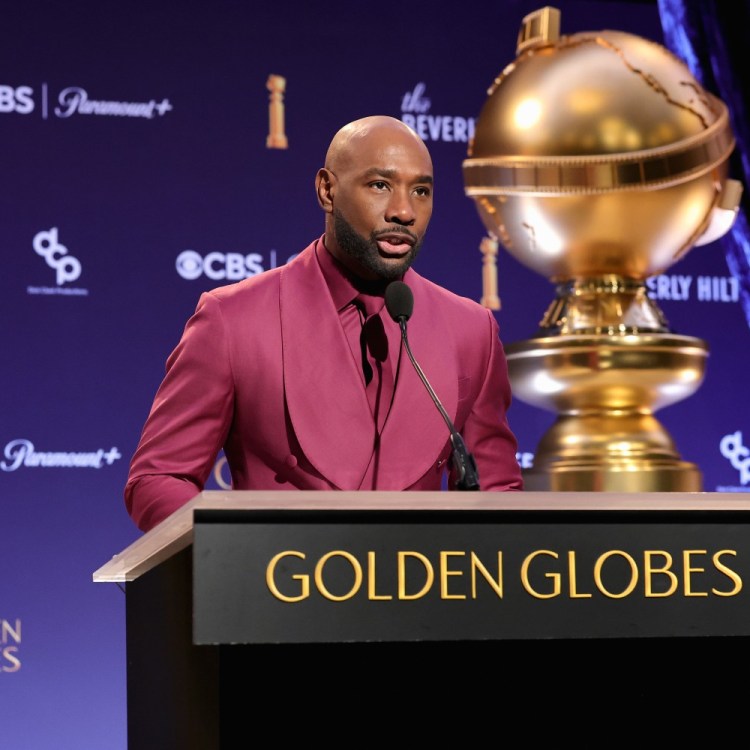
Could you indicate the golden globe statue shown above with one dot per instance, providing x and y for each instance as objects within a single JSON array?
[{"x": 598, "y": 161}]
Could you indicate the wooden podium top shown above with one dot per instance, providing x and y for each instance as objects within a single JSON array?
[{"x": 176, "y": 532}]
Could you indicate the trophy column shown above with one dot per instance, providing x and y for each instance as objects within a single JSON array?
[{"x": 605, "y": 388}]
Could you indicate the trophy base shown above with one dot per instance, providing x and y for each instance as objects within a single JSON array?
[
  {"x": 615, "y": 452},
  {"x": 632, "y": 476},
  {"x": 605, "y": 390}
]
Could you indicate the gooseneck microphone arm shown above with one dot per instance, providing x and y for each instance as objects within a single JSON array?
[{"x": 399, "y": 302}]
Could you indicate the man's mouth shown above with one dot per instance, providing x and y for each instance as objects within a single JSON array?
[{"x": 395, "y": 243}]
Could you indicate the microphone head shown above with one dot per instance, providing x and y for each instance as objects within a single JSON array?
[{"x": 399, "y": 301}]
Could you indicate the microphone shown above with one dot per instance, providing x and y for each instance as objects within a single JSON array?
[{"x": 399, "y": 301}]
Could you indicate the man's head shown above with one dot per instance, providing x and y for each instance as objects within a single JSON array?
[{"x": 376, "y": 190}]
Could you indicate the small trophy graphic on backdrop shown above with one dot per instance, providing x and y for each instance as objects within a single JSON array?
[{"x": 276, "y": 136}]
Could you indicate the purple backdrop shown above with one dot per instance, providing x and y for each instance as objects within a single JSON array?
[{"x": 114, "y": 217}]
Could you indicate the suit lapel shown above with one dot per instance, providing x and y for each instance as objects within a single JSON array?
[{"x": 327, "y": 405}]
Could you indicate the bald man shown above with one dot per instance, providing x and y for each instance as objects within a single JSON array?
[{"x": 299, "y": 374}]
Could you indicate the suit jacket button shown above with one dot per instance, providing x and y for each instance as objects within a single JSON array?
[{"x": 291, "y": 461}]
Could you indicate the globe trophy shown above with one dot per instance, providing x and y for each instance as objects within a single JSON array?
[{"x": 598, "y": 160}]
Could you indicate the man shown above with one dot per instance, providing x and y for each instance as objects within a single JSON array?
[{"x": 272, "y": 368}]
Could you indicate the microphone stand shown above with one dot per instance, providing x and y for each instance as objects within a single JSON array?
[{"x": 467, "y": 475}]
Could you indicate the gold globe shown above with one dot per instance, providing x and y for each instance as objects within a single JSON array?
[{"x": 598, "y": 160}]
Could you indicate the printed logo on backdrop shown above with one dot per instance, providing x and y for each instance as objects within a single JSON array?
[
  {"x": 10, "y": 645},
  {"x": 65, "y": 267},
  {"x": 699, "y": 288},
  {"x": 415, "y": 112},
  {"x": 18, "y": 99},
  {"x": 221, "y": 476},
  {"x": 737, "y": 453},
  {"x": 22, "y": 453},
  {"x": 75, "y": 100},
  {"x": 219, "y": 266},
  {"x": 525, "y": 459},
  {"x": 276, "y": 137}
]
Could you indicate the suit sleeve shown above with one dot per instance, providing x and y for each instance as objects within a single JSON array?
[
  {"x": 188, "y": 421},
  {"x": 487, "y": 433}
]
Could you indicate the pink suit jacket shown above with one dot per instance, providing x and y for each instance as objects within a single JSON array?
[{"x": 264, "y": 371}]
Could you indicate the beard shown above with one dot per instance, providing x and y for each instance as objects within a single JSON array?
[{"x": 364, "y": 250}]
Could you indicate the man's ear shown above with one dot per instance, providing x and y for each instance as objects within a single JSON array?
[{"x": 324, "y": 187}]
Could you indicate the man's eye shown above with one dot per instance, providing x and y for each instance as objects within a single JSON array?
[
  {"x": 379, "y": 185},
  {"x": 423, "y": 191}
]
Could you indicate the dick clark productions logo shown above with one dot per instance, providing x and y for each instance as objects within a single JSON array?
[{"x": 67, "y": 268}]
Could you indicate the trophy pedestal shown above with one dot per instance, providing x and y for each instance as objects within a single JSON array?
[{"x": 605, "y": 390}]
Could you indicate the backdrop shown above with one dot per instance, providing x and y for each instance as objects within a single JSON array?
[{"x": 139, "y": 167}]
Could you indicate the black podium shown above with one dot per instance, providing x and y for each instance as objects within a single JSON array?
[{"x": 317, "y": 605}]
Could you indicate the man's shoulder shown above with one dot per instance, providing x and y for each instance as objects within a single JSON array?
[
  {"x": 434, "y": 294},
  {"x": 257, "y": 288}
]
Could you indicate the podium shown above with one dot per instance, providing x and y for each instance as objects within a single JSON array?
[{"x": 322, "y": 603}]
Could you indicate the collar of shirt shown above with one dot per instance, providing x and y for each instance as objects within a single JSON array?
[{"x": 344, "y": 286}]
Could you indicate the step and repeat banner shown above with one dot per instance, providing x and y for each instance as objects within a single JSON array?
[{"x": 153, "y": 151}]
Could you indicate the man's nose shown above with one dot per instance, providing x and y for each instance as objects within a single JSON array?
[{"x": 400, "y": 208}]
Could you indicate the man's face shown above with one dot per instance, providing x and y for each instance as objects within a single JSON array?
[
  {"x": 365, "y": 256},
  {"x": 382, "y": 205}
]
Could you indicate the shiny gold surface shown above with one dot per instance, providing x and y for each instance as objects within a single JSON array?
[
  {"x": 630, "y": 233},
  {"x": 598, "y": 161},
  {"x": 540, "y": 27},
  {"x": 605, "y": 390},
  {"x": 575, "y": 375},
  {"x": 598, "y": 154},
  {"x": 604, "y": 92},
  {"x": 607, "y": 304},
  {"x": 490, "y": 298}
]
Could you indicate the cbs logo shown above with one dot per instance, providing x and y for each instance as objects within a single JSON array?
[
  {"x": 218, "y": 266},
  {"x": 223, "y": 266},
  {"x": 17, "y": 99}
]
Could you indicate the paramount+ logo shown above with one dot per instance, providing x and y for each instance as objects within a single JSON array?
[{"x": 75, "y": 100}]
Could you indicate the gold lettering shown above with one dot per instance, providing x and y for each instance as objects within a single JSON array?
[
  {"x": 445, "y": 571},
  {"x": 689, "y": 570},
  {"x": 430, "y": 575},
  {"x": 572, "y": 573},
  {"x": 554, "y": 577},
  {"x": 371, "y": 580},
  {"x": 497, "y": 585},
  {"x": 271, "y": 581},
  {"x": 356, "y": 567},
  {"x": 660, "y": 579},
  {"x": 650, "y": 570},
  {"x": 598, "y": 574},
  {"x": 731, "y": 574}
]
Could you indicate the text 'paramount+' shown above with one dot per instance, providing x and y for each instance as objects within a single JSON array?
[
  {"x": 75, "y": 100},
  {"x": 22, "y": 452}
]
